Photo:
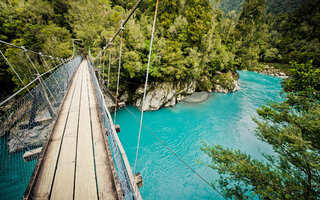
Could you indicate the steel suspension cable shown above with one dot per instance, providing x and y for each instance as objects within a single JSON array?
[
  {"x": 22, "y": 48},
  {"x": 146, "y": 85},
  {"x": 45, "y": 63},
  {"x": 117, "y": 92},
  {"x": 27, "y": 66},
  {"x": 104, "y": 54},
  {"x": 47, "y": 66},
  {"x": 12, "y": 68},
  {"x": 118, "y": 31},
  {"x": 167, "y": 147},
  {"x": 26, "y": 87},
  {"x": 27, "y": 50},
  {"x": 34, "y": 67},
  {"x": 41, "y": 77},
  {"x": 53, "y": 61},
  {"x": 109, "y": 69},
  {"x": 15, "y": 73},
  {"x": 30, "y": 71},
  {"x": 31, "y": 81},
  {"x": 99, "y": 68}
]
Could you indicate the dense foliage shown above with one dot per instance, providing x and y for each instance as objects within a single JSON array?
[
  {"x": 194, "y": 39},
  {"x": 37, "y": 26},
  {"x": 291, "y": 127},
  {"x": 272, "y": 6},
  {"x": 188, "y": 41}
]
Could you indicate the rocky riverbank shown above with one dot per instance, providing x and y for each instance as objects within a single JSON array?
[
  {"x": 164, "y": 94},
  {"x": 167, "y": 94},
  {"x": 271, "y": 71}
]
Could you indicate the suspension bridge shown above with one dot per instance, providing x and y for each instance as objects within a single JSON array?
[
  {"x": 82, "y": 156},
  {"x": 63, "y": 129}
]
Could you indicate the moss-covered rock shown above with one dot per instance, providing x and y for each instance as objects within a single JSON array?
[{"x": 225, "y": 82}]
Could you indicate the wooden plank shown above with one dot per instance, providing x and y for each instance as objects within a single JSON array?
[
  {"x": 85, "y": 180},
  {"x": 65, "y": 109},
  {"x": 63, "y": 184},
  {"x": 105, "y": 182},
  {"x": 45, "y": 175}
]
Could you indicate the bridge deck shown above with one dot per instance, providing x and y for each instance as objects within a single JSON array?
[{"x": 76, "y": 164}]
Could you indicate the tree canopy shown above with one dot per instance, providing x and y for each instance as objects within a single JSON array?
[{"x": 193, "y": 38}]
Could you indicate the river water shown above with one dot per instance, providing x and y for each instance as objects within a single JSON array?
[{"x": 224, "y": 119}]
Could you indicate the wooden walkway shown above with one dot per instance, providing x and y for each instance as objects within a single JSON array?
[{"x": 76, "y": 163}]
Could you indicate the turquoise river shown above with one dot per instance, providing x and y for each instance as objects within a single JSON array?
[{"x": 224, "y": 119}]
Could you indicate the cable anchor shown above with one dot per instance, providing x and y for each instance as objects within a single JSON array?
[
  {"x": 122, "y": 26},
  {"x": 24, "y": 49},
  {"x": 110, "y": 42}
]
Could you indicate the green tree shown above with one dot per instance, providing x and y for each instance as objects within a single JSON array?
[
  {"x": 30, "y": 24},
  {"x": 199, "y": 19},
  {"x": 292, "y": 128},
  {"x": 252, "y": 11},
  {"x": 304, "y": 80},
  {"x": 293, "y": 172},
  {"x": 168, "y": 10}
]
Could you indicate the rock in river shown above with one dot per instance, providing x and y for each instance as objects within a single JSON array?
[{"x": 197, "y": 97}]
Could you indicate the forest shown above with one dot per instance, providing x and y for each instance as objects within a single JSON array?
[
  {"x": 194, "y": 39},
  {"x": 272, "y": 6},
  {"x": 198, "y": 39}
]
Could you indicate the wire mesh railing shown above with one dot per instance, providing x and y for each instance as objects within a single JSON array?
[
  {"x": 24, "y": 128},
  {"x": 128, "y": 185}
]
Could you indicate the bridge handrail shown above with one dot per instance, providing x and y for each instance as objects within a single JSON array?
[
  {"x": 123, "y": 167},
  {"x": 26, "y": 86},
  {"x": 57, "y": 81},
  {"x": 26, "y": 124}
]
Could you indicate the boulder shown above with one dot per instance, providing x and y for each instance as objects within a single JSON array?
[
  {"x": 171, "y": 103},
  {"x": 236, "y": 86},
  {"x": 29, "y": 138},
  {"x": 220, "y": 89},
  {"x": 271, "y": 71},
  {"x": 282, "y": 75},
  {"x": 124, "y": 97},
  {"x": 180, "y": 97},
  {"x": 197, "y": 97},
  {"x": 165, "y": 94}
]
